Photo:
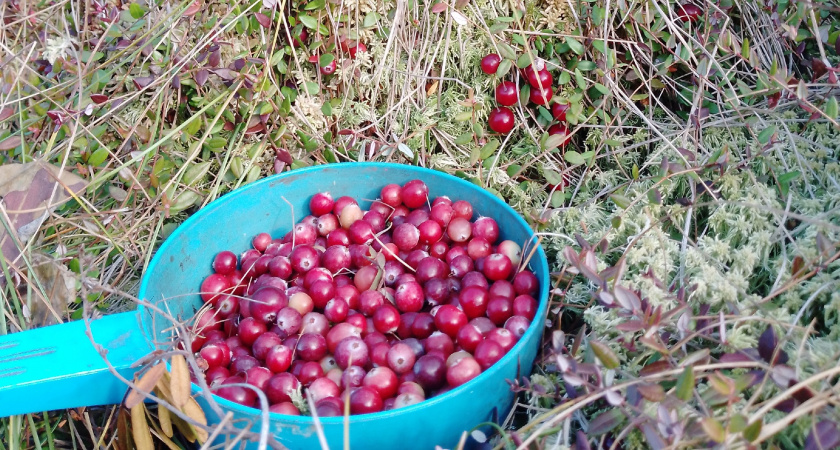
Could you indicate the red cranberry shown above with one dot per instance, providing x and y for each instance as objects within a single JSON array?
[
  {"x": 351, "y": 351},
  {"x": 339, "y": 332},
  {"x": 415, "y": 194},
  {"x": 538, "y": 79},
  {"x": 469, "y": 336},
  {"x": 689, "y": 12},
  {"x": 558, "y": 111},
  {"x": 329, "y": 407},
  {"x": 309, "y": 372},
  {"x": 352, "y": 377},
  {"x": 503, "y": 337},
  {"x": 423, "y": 326},
  {"x": 213, "y": 285},
  {"x": 287, "y": 408},
  {"x": 487, "y": 353},
  {"x": 314, "y": 322},
  {"x": 501, "y": 120},
  {"x": 379, "y": 354},
  {"x": 507, "y": 94},
  {"x": 279, "y": 358},
  {"x": 329, "y": 69},
  {"x": 450, "y": 319},
  {"x": 216, "y": 375},
  {"x": 386, "y": 318},
  {"x": 559, "y": 128},
  {"x": 321, "y": 203},
  {"x": 401, "y": 358},
  {"x": 217, "y": 354},
  {"x": 258, "y": 377},
  {"x": 264, "y": 344},
  {"x": 237, "y": 394},
  {"x": 499, "y": 309},
  {"x": 430, "y": 372},
  {"x": 311, "y": 346},
  {"x": 497, "y": 267},
  {"x": 383, "y": 380},
  {"x": 280, "y": 387},
  {"x": 439, "y": 342},
  {"x": 463, "y": 371},
  {"x": 364, "y": 400},
  {"x": 525, "y": 305},
  {"x": 322, "y": 388},
  {"x": 224, "y": 263},
  {"x": 490, "y": 63},
  {"x": 289, "y": 320},
  {"x": 526, "y": 283},
  {"x": 541, "y": 96},
  {"x": 517, "y": 325}
]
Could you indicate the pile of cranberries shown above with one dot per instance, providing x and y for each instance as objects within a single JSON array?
[
  {"x": 385, "y": 307},
  {"x": 501, "y": 118}
]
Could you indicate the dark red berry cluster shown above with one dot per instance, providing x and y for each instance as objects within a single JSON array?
[
  {"x": 501, "y": 118},
  {"x": 384, "y": 307}
]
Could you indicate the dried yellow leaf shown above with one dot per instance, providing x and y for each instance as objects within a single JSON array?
[
  {"x": 186, "y": 429},
  {"x": 165, "y": 419},
  {"x": 160, "y": 434},
  {"x": 180, "y": 383},
  {"x": 140, "y": 428},
  {"x": 146, "y": 384},
  {"x": 194, "y": 412}
]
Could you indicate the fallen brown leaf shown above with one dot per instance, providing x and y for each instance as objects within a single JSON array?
[
  {"x": 180, "y": 384},
  {"x": 29, "y": 192},
  {"x": 140, "y": 428},
  {"x": 59, "y": 290},
  {"x": 146, "y": 384}
]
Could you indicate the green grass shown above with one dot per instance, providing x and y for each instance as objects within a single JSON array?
[{"x": 171, "y": 105}]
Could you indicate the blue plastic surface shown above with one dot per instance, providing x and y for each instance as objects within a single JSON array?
[
  {"x": 231, "y": 222},
  {"x": 58, "y": 367},
  {"x": 68, "y": 372}
]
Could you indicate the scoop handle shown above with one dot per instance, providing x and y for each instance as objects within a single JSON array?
[{"x": 58, "y": 367}]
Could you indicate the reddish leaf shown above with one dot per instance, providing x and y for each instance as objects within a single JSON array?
[
  {"x": 606, "y": 421},
  {"x": 215, "y": 59},
  {"x": 581, "y": 441},
  {"x": 284, "y": 155},
  {"x": 264, "y": 20},
  {"x": 631, "y": 326},
  {"x": 29, "y": 191},
  {"x": 739, "y": 357},
  {"x": 651, "y": 392},
  {"x": 256, "y": 128},
  {"x": 773, "y": 100},
  {"x": 439, "y": 7},
  {"x": 192, "y": 9},
  {"x": 56, "y": 116},
  {"x": 5, "y": 113},
  {"x": 798, "y": 265},
  {"x": 98, "y": 98},
  {"x": 819, "y": 68},
  {"x": 10, "y": 142},
  {"x": 655, "y": 367},
  {"x": 225, "y": 74},
  {"x": 767, "y": 347},
  {"x": 823, "y": 436},
  {"x": 200, "y": 77},
  {"x": 142, "y": 82}
]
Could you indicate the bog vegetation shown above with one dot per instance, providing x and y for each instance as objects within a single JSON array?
[{"x": 679, "y": 163}]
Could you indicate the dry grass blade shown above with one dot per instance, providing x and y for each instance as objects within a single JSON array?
[
  {"x": 180, "y": 381},
  {"x": 145, "y": 385}
]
